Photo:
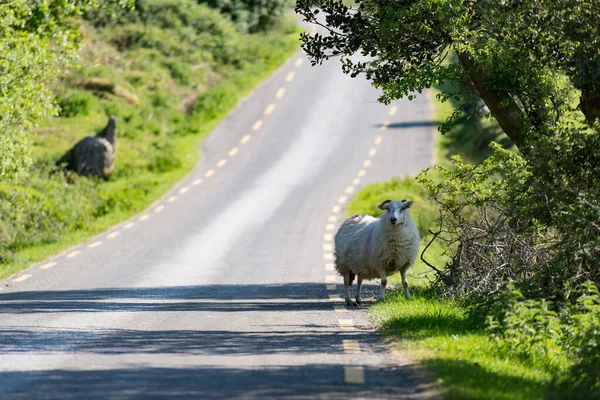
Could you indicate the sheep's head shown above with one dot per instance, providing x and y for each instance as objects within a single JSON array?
[{"x": 395, "y": 210}]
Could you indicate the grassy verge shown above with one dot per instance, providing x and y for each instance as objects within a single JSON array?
[
  {"x": 463, "y": 356},
  {"x": 187, "y": 66}
]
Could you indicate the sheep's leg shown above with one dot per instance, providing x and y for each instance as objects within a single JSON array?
[
  {"x": 405, "y": 284},
  {"x": 383, "y": 285},
  {"x": 358, "y": 288},
  {"x": 347, "y": 289}
]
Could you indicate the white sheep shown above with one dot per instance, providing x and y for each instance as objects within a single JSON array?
[{"x": 371, "y": 248}]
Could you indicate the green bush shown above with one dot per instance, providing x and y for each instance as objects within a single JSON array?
[
  {"x": 40, "y": 209},
  {"x": 162, "y": 157},
  {"x": 562, "y": 338},
  {"x": 251, "y": 15},
  {"x": 214, "y": 102},
  {"x": 75, "y": 103}
]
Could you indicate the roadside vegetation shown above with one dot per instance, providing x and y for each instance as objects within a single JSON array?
[
  {"x": 169, "y": 70},
  {"x": 511, "y": 309}
]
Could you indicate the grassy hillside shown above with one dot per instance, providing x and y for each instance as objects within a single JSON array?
[{"x": 169, "y": 70}]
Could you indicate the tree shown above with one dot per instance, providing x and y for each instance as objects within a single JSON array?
[
  {"x": 37, "y": 40},
  {"x": 513, "y": 54}
]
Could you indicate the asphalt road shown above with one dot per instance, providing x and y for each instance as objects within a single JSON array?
[{"x": 223, "y": 288}]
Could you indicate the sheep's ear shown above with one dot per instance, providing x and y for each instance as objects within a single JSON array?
[
  {"x": 384, "y": 205},
  {"x": 408, "y": 204}
]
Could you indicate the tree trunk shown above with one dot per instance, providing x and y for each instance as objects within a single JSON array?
[
  {"x": 589, "y": 104},
  {"x": 503, "y": 107}
]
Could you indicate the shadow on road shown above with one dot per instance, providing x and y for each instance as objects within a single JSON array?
[
  {"x": 410, "y": 124},
  {"x": 215, "y": 298},
  {"x": 128, "y": 351},
  {"x": 305, "y": 382}
]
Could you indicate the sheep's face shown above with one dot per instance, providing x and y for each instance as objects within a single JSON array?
[{"x": 396, "y": 210}]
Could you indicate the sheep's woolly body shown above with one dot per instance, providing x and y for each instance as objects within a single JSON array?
[{"x": 373, "y": 248}]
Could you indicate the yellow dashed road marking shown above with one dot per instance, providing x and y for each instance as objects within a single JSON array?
[
  {"x": 330, "y": 278},
  {"x": 280, "y": 93},
  {"x": 328, "y": 237},
  {"x": 233, "y": 152},
  {"x": 184, "y": 189},
  {"x": 332, "y": 218},
  {"x": 334, "y": 297},
  {"x": 245, "y": 139},
  {"x": 342, "y": 199},
  {"x": 362, "y": 173},
  {"x": 331, "y": 287},
  {"x": 329, "y": 227},
  {"x": 349, "y": 189},
  {"x": 257, "y": 125},
  {"x": 92, "y": 245},
  {"x": 209, "y": 173},
  {"x": 354, "y": 374},
  {"x": 290, "y": 76},
  {"x": 384, "y": 126},
  {"x": 328, "y": 267},
  {"x": 197, "y": 182},
  {"x": 159, "y": 208},
  {"x": 327, "y": 247},
  {"x": 367, "y": 163},
  {"x": 171, "y": 199},
  {"x": 355, "y": 181},
  {"x": 351, "y": 346},
  {"x": 22, "y": 278},
  {"x": 340, "y": 309},
  {"x": 128, "y": 225},
  {"x": 336, "y": 209},
  {"x": 298, "y": 62},
  {"x": 144, "y": 217},
  {"x": 372, "y": 152},
  {"x": 113, "y": 235},
  {"x": 269, "y": 109},
  {"x": 48, "y": 265},
  {"x": 328, "y": 256},
  {"x": 73, "y": 254},
  {"x": 221, "y": 163},
  {"x": 393, "y": 110},
  {"x": 378, "y": 140},
  {"x": 346, "y": 324}
]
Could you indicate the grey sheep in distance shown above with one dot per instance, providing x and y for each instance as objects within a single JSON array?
[{"x": 370, "y": 248}]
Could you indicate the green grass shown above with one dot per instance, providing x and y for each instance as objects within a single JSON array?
[
  {"x": 466, "y": 361},
  {"x": 186, "y": 79}
]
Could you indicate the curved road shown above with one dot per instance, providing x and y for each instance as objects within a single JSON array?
[{"x": 224, "y": 288}]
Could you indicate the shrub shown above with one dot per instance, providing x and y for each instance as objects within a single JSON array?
[
  {"x": 162, "y": 157},
  {"x": 251, "y": 15},
  {"x": 555, "y": 336},
  {"x": 533, "y": 218},
  {"x": 40, "y": 209},
  {"x": 75, "y": 103}
]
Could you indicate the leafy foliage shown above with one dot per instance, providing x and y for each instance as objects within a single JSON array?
[
  {"x": 251, "y": 15},
  {"x": 37, "y": 40},
  {"x": 535, "y": 222},
  {"x": 545, "y": 333}
]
